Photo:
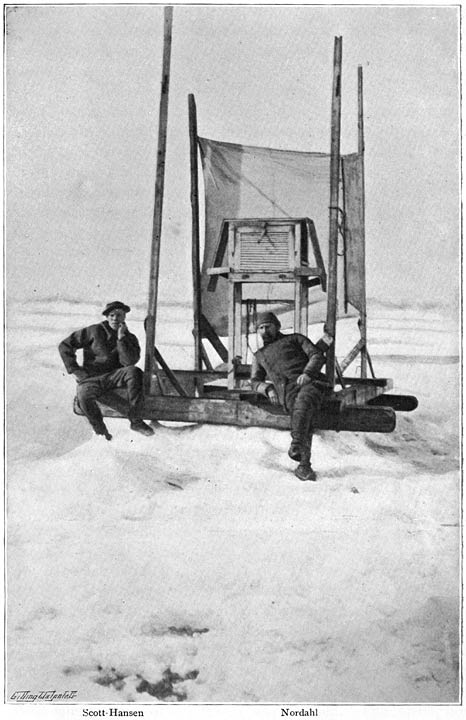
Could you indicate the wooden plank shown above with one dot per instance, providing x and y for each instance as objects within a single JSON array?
[
  {"x": 369, "y": 361},
  {"x": 219, "y": 254},
  {"x": 246, "y": 414},
  {"x": 253, "y": 222},
  {"x": 231, "y": 334},
  {"x": 339, "y": 374},
  {"x": 218, "y": 271},
  {"x": 304, "y": 300},
  {"x": 191, "y": 381},
  {"x": 333, "y": 208},
  {"x": 359, "y": 394},
  {"x": 158, "y": 200},
  {"x": 352, "y": 355},
  {"x": 313, "y": 282},
  {"x": 387, "y": 383},
  {"x": 361, "y": 151},
  {"x": 238, "y": 326},
  {"x": 205, "y": 358},
  {"x": 244, "y": 371},
  {"x": 317, "y": 253},
  {"x": 266, "y": 276},
  {"x": 403, "y": 403},
  {"x": 294, "y": 243},
  {"x": 234, "y": 331},
  {"x": 195, "y": 247},
  {"x": 308, "y": 272},
  {"x": 297, "y": 308},
  {"x": 343, "y": 234},
  {"x": 170, "y": 375},
  {"x": 208, "y": 332}
]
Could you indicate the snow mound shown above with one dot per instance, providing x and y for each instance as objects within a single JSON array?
[{"x": 193, "y": 566}]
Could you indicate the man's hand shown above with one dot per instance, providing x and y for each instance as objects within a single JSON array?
[
  {"x": 272, "y": 395},
  {"x": 80, "y": 375},
  {"x": 122, "y": 330},
  {"x": 303, "y": 380}
]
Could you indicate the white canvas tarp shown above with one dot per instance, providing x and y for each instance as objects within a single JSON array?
[{"x": 255, "y": 182}]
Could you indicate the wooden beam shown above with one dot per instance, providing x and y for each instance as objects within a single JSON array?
[
  {"x": 205, "y": 358},
  {"x": 352, "y": 355},
  {"x": 248, "y": 414},
  {"x": 313, "y": 282},
  {"x": 272, "y": 276},
  {"x": 361, "y": 151},
  {"x": 355, "y": 392},
  {"x": 317, "y": 253},
  {"x": 333, "y": 208},
  {"x": 218, "y": 271},
  {"x": 195, "y": 254},
  {"x": 369, "y": 361},
  {"x": 222, "y": 246},
  {"x": 234, "y": 330},
  {"x": 386, "y": 383},
  {"x": 343, "y": 234},
  {"x": 169, "y": 373},
  {"x": 403, "y": 403},
  {"x": 158, "y": 200},
  {"x": 208, "y": 332},
  {"x": 339, "y": 374}
]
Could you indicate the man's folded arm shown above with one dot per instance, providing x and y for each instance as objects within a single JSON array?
[
  {"x": 129, "y": 351},
  {"x": 67, "y": 349}
]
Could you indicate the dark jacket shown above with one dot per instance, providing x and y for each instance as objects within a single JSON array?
[
  {"x": 283, "y": 360},
  {"x": 102, "y": 351}
]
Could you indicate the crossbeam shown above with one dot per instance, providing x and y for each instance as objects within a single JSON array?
[{"x": 249, "y": 414}]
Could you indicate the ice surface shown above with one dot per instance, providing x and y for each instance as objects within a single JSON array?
[{"x": 193, "y": 566}]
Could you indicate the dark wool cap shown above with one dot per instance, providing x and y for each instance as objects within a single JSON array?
[
  {"x": 115, "y": 305},
  {"x": 267, "y": 317}
]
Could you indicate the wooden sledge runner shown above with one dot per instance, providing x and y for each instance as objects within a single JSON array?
[{"x": 221, "y": 396}]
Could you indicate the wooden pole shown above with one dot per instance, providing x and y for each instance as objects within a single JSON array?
[
  {"x": 361, "y": 149},
  {"x": 195, "y": 255},
  {"x": 158, "y": 201},
  {"x": 333, "y": 208}
]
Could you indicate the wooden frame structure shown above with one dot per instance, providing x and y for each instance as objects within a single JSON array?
[
  {"x": 204, "y": 394},
  {"x": 253, "y": 251}
]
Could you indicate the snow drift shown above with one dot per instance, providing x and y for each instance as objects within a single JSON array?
[{"x": 193, "y": 566}]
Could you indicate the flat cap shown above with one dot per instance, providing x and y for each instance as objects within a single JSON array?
[
  {"x": 115, "y": 305},
  {"x": 267, "y": 317}
]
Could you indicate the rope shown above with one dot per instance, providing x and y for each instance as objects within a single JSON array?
[
  {"x": 341, "y": 225},
  {"x": 251, "y": 319}
]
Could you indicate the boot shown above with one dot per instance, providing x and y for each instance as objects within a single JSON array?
[
  {"x": 101, "y": 429},
  {"x": 304, "y": 471},
  {"x": 295, "y": 450},
  {"x": 141, "y": 427}
]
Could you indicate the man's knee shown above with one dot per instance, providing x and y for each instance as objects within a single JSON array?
[
  {"x": 87, "y": 391},
  {"x": 310, "y": 396},
  {"x": 133, "y": 373}
]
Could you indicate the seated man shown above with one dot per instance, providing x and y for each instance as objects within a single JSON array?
[
  {"x": 110, "y": 355},
  {"x": 292, "y": 364}
]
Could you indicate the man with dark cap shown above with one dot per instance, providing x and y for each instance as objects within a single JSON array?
[
  {"x": 287, "y": 371},
  {"x": 110, "y": 354}
]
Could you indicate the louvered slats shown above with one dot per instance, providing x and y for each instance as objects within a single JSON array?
[{"x": 264, "y": 253}]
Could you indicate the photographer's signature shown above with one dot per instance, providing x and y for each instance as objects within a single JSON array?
[{"x": 43, "y": 695}]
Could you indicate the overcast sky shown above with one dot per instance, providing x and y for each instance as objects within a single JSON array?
[{"x": 82, "y": 99}]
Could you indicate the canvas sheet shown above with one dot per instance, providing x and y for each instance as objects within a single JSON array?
[
  {"x": 354, "y": 229},
  {"x": 255, "y": 182}
]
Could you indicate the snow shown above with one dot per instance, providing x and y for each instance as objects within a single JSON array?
[{"x": 194, "y": 567}]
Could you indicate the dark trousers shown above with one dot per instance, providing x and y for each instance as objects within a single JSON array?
[
  {"x": 303, "y": 403},
  {"x": 90, "y": 389}
]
